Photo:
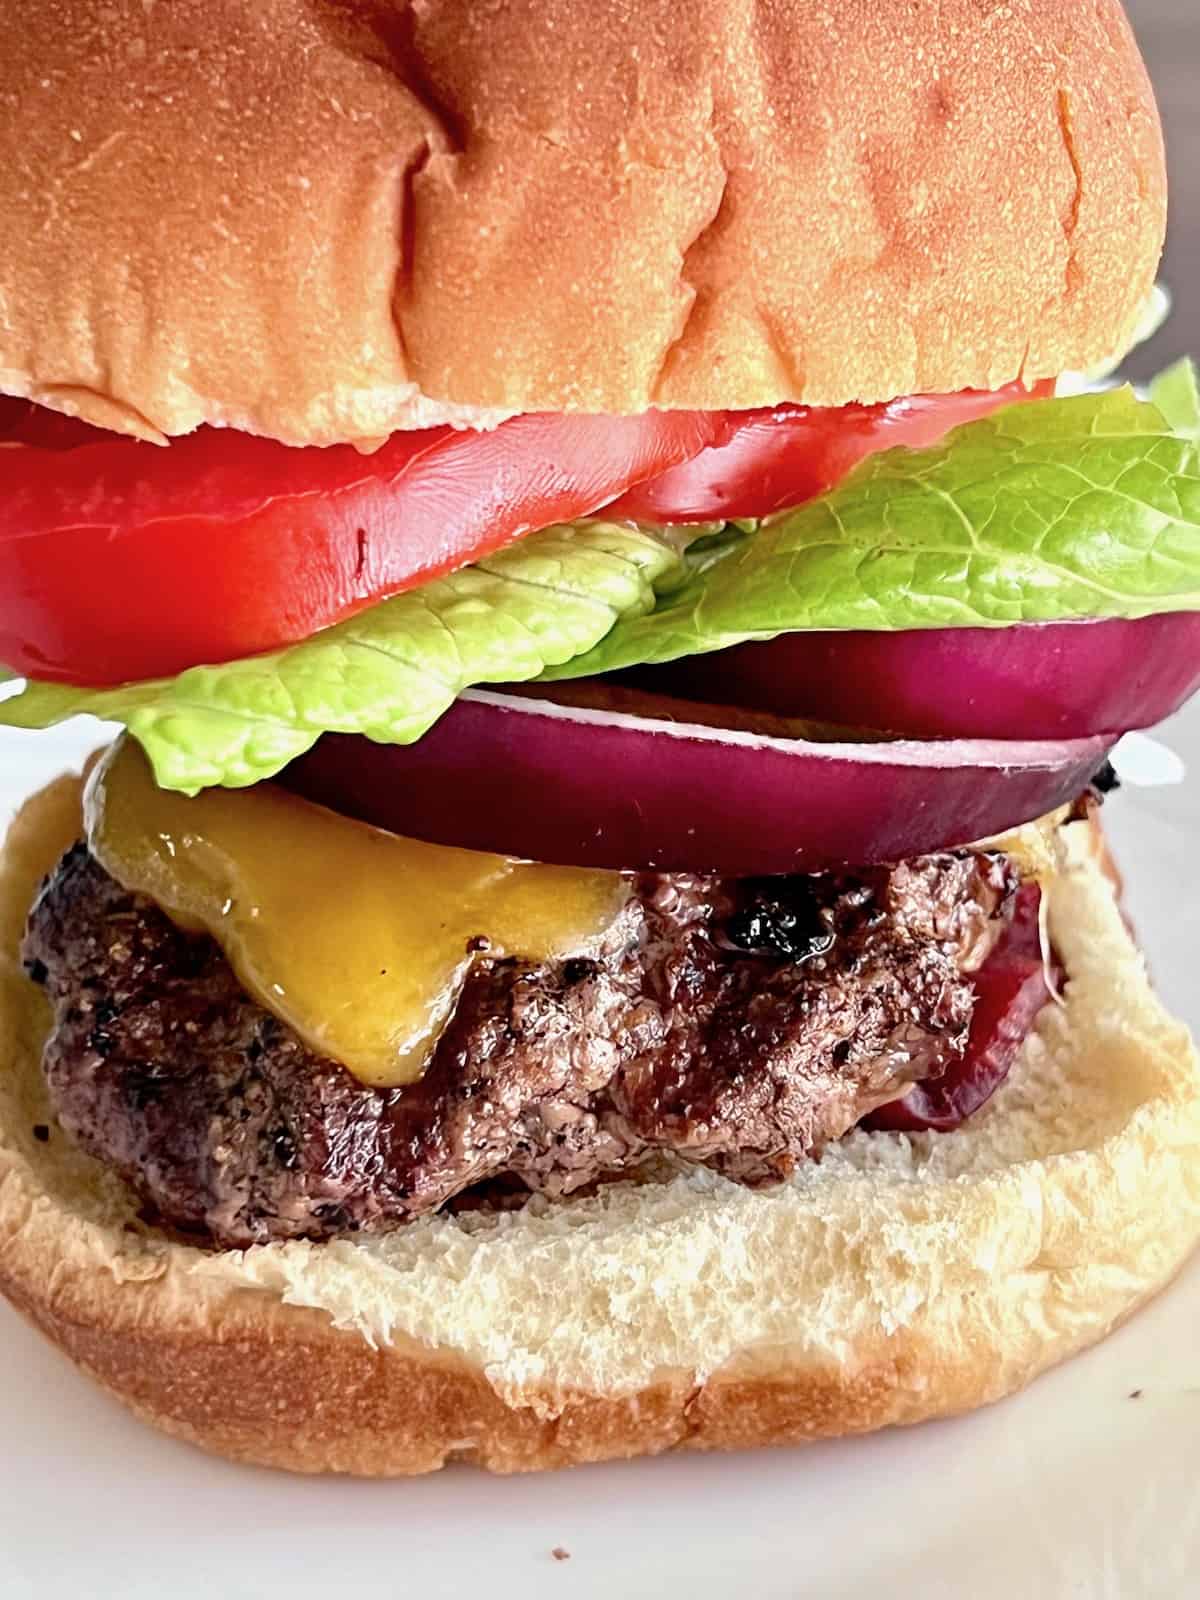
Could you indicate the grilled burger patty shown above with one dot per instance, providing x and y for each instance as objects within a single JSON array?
[{"x": 739, "y": 1024}]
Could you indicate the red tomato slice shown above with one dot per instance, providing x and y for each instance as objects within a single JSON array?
[
  {"x": 23, "y": 422},
  {"x": 771, "y": 459},
  {"x": 121, "y": 560}
]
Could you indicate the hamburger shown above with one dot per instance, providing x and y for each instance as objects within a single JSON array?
[{"x": 595, "y": 936}]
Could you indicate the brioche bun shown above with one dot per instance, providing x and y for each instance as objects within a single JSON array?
[
  {"x": 897, "y": 1279},
  {"x": 322, "y": 220}
]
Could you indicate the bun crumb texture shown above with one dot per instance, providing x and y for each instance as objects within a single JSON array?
[{"x": 897, "y": 1279}]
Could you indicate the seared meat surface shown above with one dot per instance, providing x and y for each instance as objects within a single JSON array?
[{"x": 741, "y": 1025}]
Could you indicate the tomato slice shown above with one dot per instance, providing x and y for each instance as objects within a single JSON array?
[
  {"x": 121, "y": 560},
  {"x": 23, "y": 422},
  {"x": 768, "y": 460}
]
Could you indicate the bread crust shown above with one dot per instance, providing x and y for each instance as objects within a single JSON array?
[
  {"x": 1062, "y": 1245},
  {"x": 321, "y": 221}
]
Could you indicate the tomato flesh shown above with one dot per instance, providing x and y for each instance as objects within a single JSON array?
[
  {"x": 122, "y": 561},
  {"x": 771, "y": 459}
]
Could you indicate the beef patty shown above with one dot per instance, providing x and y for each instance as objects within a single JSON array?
[{"x": 742, "y": 1025}]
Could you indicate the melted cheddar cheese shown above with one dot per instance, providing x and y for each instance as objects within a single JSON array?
[{"x": 360, "y": 940}]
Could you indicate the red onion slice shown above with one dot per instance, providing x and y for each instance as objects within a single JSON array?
[
  {"x": 547, "y": 782},
  {"x": 1052, "y": 680}
]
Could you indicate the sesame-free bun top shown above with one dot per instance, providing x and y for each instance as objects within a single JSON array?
[{"x": 324, "y": 219}]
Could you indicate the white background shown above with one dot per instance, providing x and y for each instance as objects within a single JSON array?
[{"x": 1073, "y": 1489}]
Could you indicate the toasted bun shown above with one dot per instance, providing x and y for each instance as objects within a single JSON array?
[
  {"x": 324, "y": 219},
  {"x": 898, "y": 1279}
]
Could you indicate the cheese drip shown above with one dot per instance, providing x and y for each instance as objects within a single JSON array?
[{"x": 360, "y": 940}]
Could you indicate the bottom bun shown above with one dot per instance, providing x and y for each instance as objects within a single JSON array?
[{"x": 899, "y": 1278}]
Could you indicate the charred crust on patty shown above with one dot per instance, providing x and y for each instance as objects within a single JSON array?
[{"x": 670, "y": 1041}]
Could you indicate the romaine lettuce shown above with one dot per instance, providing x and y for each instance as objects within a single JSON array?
[{"x": 1067, "y": 508}]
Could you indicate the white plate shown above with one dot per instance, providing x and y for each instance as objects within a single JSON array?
[{"x": 1074, "y": 1488}]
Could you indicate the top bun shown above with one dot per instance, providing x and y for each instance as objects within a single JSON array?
[{"x": 325, "y": 219}]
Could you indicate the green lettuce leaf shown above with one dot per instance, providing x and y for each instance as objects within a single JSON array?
[
  {"x": 1081, "y": 507},
  {"x": 1056, "y": 509},
  {"x": 1176, "y": 393},
  {"x": 389, "y": 673}
]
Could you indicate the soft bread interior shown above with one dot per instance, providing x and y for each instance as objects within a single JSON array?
[{"x": 987, "y": 1254}]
